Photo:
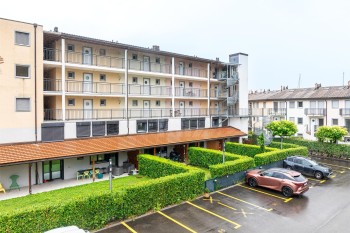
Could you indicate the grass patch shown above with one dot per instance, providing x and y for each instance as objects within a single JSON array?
[
  {"x": 62, "y": 196},
  {"x": 206, "y": 171}
]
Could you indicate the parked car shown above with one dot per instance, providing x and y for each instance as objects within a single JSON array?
[
  {"x": 307, "y": 166},
  {"x": 289, "y": 182},
  {"x": 69, "y": 229}
]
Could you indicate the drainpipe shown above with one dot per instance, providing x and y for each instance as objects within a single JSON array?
[
  {"x": 35, "y": 87},
  {"x": 126, "y": 78}
]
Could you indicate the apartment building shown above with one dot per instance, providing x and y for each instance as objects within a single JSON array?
[
  {"x": 308, "y": 108},
  {"x": 72, "y": 102}
]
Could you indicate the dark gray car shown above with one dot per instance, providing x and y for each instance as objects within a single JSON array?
[{"x": 307, "y": 166}]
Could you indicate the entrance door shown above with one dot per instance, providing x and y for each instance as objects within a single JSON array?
[
  {"x": 181, "y": 68},
  {"x": 182, "y": 108},
  {"x": 87, "y": 83},
  {"x": 53, "y": 170},
  {"x": 146, "y": 63},
  {"x": 87, "y": 109},
  {"x": 146, "y": 108},
  {"x": 321, "y": 122},
  {"x": 87, "y": 55},
  {"x": 181, "y": 88},
  {"x": 146, "y": 86}
]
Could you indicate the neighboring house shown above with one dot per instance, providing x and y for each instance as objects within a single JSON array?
[
  {"x": 71, "y": 101},
  {"x": 308, "y": 108}
]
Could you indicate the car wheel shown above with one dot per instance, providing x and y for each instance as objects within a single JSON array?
[
  {"x": 252, "y": 182},
  {"x": 289, "y": 167},
  {"x": 286, "y": 191},
  {"x": 318, "y": 175}
]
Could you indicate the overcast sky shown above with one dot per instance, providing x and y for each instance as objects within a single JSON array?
[{"x": 284, "y": 38}]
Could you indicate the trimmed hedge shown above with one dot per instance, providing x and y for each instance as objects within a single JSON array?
[
  {"x": 277, "y": 145},
  {"x": 245, "y": 149},
  {"x": 273, "y": 156},
  {"x": 202, "y": 157},
  {"x": 94, "y": 210},
  {"x": 322, "y": 148},
  {"x": 231, "y": 167}
]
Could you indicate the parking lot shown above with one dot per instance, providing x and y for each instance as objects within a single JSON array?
[{"x": 324, "y": 208}]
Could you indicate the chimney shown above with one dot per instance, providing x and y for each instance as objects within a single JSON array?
[
  {"x": 155, "y": 48},
  {"x": 317, "y": 86},
  {"x": 217, "y": 59},
  {"x": 55, "y": 29}
]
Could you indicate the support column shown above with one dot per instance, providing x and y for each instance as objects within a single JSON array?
[
  {"x": 63, "y": 79},
  {"x": 208, "y": 92},
  {"x": 30, "y": 178},
  {"x": 173, "y": 86},
  {"x": 126, "y": 82}
]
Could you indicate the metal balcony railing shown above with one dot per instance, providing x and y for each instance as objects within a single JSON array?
[
  {"x": 52, "y": 54},
  {"x": 95, "y": 60},
  {"x": 150, "y": 113},
  {"x": 135, "y": 89},
  {"x": 95, "y": 87},
  {"x": 277, "y": 111},
  {"x": 190, "y": 92},
  {"x": 94, "y": 114},
  {"x": 218, "y": 93},
  {"x": 149, "y": 66},
  {"x": 194, "y": 72},
  {"x": 52, "y": 114},
  {"x": 344, "y": 111},
  {"x": 52, "y": 85},
  {"x": 315, "y": 111}
]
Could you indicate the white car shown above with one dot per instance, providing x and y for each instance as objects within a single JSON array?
[{"x": 70, "y": 229}]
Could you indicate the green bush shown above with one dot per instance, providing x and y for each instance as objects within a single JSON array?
[
  {"x": 245, "y": 149},
  {"x": 92, "y": 210},
  {"x": 322, "y": 148},
  {"x": 202, "y": 157},
  {"x": 231, "y": 167},
  {"x": 273, "y": 156},
  {"x": 277, "y": 145}
]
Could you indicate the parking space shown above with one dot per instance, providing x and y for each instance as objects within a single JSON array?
[{"x": 246, "y": 209}]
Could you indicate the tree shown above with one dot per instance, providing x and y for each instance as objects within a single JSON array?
[
  {"x": 282, "y": 129},
  {"x": 261, "y": 142},
  {"x": 330, "y": 133}
]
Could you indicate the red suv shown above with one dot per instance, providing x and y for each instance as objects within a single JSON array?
[{"x": 287, "y": 181}]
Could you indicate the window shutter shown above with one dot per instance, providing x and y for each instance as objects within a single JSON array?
[
  {"x": 23, "y": 104},
  {"x": 22, "y": 38}
]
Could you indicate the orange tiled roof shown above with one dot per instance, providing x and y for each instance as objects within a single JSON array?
[{"x": 32, "y": 152}]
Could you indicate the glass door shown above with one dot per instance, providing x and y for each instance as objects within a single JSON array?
[{"x": 53, "y": 170}]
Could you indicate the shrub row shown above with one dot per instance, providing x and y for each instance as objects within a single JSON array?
[
  {"x": 322, "y": 148},
  {"x": 277, "y": 145},
  {"x": 245, "y": 149},
  {"x": 273, "y": 156},
  {"x": 231, "y": 167},
  {"x": 92, "y": 211},
  {"x": 202, "y": 157}
]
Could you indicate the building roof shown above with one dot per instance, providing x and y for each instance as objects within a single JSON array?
[
  {"x": 57, "y": 35},
  {"x": 332, "y": 92},
  {"x": 34, "y": 152}
]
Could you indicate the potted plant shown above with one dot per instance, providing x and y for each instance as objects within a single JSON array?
[{"x": 206, "y": 193}]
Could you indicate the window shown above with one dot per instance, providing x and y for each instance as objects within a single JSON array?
[
  {"x": 157, "y": 81},
  {"x": 194, "y": 123},
  {"x": 51, "y": 132},
  {"x": 163, "y": 125},
  {"x": 134, "y": 80},
  {"x": 152, "y": 125},
  {"x": 264, "y": 104},
  {"x": 335, "y": 103},
  {"x": 201, "y": 122},
  {"x": 22, "y": 38},
  {"x": 22, "y": 104},
  {"x": 300, "y": 120},
  {"x": 70, "y": 48},
  {"x": 185, "y": 123},
  {"x": 141, "y": 126},
  {"x": 300, "y": 104},
  {"x": 291, "y": 104},
  {"x": 83, "y": 129},
  {"x": 71, "y": 75},
  {"x": 334, "y": 121},
  {"x": 102, "y": 52},
  {"x": 71, "y": 102},
  {"x": 190, "y": 65},
  {"x": 112, "y": 127},
  {"x": 103, "y": 78},
  {"x": 158, "y": 103},
  {"x": 190, "y": 103},
  {"x": 134, "y": 103},
  {"x": 97, "y": 158},
  {"x": 22, "y": 71},
  {"x": 98, "y": 128},
  {"x": 134, "y": 56},
  {"x": 103, "y": 102},
  {"x": 190, "y": 84},
  {"x": 292, "y": 119},
  {"x": 157, "y": 60}
]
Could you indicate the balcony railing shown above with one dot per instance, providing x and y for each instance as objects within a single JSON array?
[
  {"x": 135, "y": 89},
  {"x": 95, "y": 60},
  {"x": 190, "y": 92},
  {"x": 344, "y": 111},
  {"x": 149, "y": 66},
  {"x": 194, "y": 72},
  {"x": 150, "y": 113},
  {"x": 315, "y": 111},
  {"x": 277, "y": 111},
  {"x": 52, "y": 54},
  {"x": 84, "y": 114},
  {"x": 52, "y": 114},
  {"x": 218, "y": 93},
  {"x": 52, "y": 85}
]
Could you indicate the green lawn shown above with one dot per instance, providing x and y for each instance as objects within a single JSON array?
[
  {"x": 64, "y": 195},
  {"x": 206, "y": 170}
]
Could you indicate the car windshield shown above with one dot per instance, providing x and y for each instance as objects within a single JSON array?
[
  {"x": 299, "y": 178},
  {"x": 313, "y": 163}
]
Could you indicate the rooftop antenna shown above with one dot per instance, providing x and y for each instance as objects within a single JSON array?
[{"x": 299, "y": 81}]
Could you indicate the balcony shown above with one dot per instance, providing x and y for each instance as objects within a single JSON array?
[
  {"x": 194, "y": 72},
  {"x": 315, "y": 111},
  {"x": 149, "y": 66},
  {"x": 52, "y": 55},
  {"x": 345, "y": 112},
  {"x": 277, "y": 111},
  {"x": 190, "y": 92},
  {"x": 218, "y": 93},
  {"x": 84, "y": 114},
  {"x": 73, "y": 86},
  {"x": 135, "y": 89}
]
